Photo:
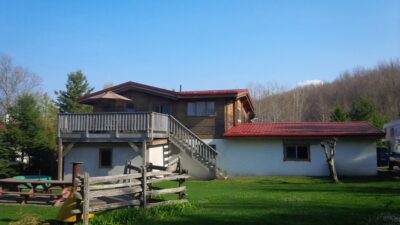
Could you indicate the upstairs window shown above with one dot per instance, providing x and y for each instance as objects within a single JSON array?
[
  {"x": 166, "y": 109},
  {"x": 105, "y": 157},
  {"x": 130, "y": 107},
  {"x": 296, "y": 152},
  {"x": 200, "y": 108}
]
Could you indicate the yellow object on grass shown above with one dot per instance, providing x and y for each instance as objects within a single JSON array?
[{"x": 66, "y": 214}]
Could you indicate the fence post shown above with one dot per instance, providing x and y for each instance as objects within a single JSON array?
[
  {"x": 144, "y": 186},
  {"x": 86, "y": 199},
  {"x": 180, "y": 182}
]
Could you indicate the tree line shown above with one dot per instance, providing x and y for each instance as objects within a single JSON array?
[
  {"x": 364, "y": 94},
  {"x": 29, "y": 119}
]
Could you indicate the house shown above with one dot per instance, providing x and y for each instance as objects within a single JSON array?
[
  {"x": 392, "y": 130},
  {"x": 211, "y": 131}
]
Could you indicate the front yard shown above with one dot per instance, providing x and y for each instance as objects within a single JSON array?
[{"x": 266, "y": 200}]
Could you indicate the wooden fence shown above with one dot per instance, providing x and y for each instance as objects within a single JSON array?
[{"x": 127, "y": 190}]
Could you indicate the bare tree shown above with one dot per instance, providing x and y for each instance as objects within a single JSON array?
[
  {"x": 267, "y": 100},
  {"x": 298, "y": 98},
  {"x": 329, "y": 146},
  {"x": 14, "y": 81},
  {"x": 108, "y": 85}
]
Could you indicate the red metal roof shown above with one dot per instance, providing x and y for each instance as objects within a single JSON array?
[
  {"x": 305, "y": 129},
  {"x": 185, "y": 94},
  {"x": 214, "y": 92}
]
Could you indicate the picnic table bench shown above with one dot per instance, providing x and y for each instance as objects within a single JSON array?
[{"x": 29, "y": 188}]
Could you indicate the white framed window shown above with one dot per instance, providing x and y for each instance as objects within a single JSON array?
[
  {"x": 296, "y": 152},
  {"x": 201, "y": 108}
]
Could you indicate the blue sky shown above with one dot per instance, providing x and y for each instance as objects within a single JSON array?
[{"x": 199, "y": 44}]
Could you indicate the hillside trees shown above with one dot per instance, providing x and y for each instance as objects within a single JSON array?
[
  {"x": 317, "y": 102},
  {"x": 77, "y": 85}
]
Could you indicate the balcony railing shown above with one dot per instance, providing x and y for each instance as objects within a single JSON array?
[
  {"x": 113, "y": 125},
  {"x": 88, "y": 127}
]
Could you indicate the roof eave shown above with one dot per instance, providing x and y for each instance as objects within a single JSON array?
[{"x": 375, "y": 135}]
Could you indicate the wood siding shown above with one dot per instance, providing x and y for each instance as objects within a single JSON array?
[
  {"x": 142, "y": 102},
  {"x": 232, "y": 116},
  {"x": 206, "y": 127}
]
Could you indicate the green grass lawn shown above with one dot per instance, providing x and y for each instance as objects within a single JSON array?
[{"x": 270, "y": 200}]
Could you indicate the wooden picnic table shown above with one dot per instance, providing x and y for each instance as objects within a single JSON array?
[{"x": 36, "y": 188}]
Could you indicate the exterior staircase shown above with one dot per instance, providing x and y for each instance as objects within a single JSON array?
[
  {"x": 193, "y": 146},
  {"x": 139, "y": 126}
]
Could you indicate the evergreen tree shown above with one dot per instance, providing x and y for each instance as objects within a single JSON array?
[
  {"x": 7, "y": 160},
  {"x": 364, "y": 109},
  {"x": 26, "y": 137},
  {"x": 339, "y": 114},
  {"x": 77, "y": 86},
  {"x": 49, "y": 114}
]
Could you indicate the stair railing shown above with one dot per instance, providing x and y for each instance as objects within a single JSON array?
[{"x": 196, "y": 144}]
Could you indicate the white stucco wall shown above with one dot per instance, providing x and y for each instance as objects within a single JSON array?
[
  {"x": 89, "y": 155},
  {"x": 258, "y": 156},
  {"x": 156, "y": 155},
  {"x": 238, "y": 157}
]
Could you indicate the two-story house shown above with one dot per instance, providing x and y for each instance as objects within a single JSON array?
[{"x": 210, "y": 130}]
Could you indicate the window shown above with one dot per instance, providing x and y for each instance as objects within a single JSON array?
[
  {"x": 167, "y": 109},
  {"x": 105, "y": 158},
  {"x": 238, "y": 115},
  {"x": 200, "y": 109},
  {"x": 130, "y": 107},
  {"x": 108, "y": 106},
  {"x": 213, "y": 146},
  {"x": 296, "y": 152}
]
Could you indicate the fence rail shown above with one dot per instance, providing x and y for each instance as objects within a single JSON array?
[{"x": 127, "y": 190}]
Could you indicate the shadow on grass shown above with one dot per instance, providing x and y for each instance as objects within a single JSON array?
[
  {"x": 256, "y": 214},
  {"x": 6, "y": 220}
]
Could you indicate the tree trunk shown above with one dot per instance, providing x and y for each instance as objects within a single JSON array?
[
  {"x": 332, "y": 170},
  {"x": 329, "y": 147}
]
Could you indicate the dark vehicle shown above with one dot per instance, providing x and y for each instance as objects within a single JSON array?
[
  {"x": 394, "y": 159},
  {"x": 382, "y": 156}
]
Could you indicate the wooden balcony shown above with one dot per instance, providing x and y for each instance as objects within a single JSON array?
[{"x": 112, "y": 127}]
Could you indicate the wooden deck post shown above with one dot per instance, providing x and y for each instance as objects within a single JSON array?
[
  {"x": 144, "y": 153},
  {"x": 60, "y": 159}
]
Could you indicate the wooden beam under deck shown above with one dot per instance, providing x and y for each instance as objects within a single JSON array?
[{"x": 155, "y": 142}]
